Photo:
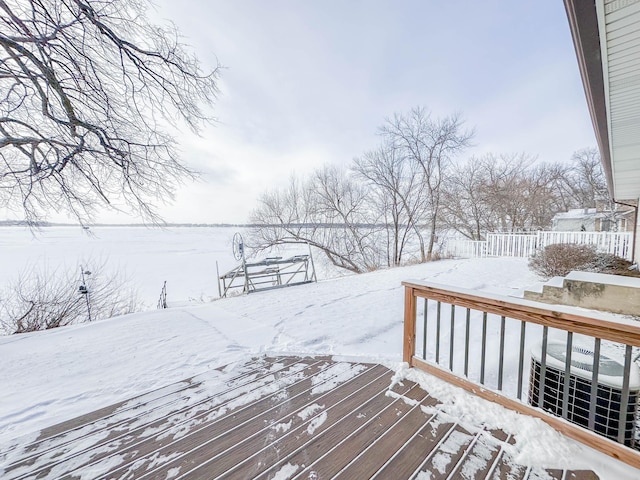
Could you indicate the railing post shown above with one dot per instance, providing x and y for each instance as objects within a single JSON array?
[{"x": 409, "y": 349}]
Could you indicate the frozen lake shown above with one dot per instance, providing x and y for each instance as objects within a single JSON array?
[{"x": 183, "y": 256}]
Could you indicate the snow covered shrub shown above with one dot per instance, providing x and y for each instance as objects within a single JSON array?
[
  {"x": 612, "y": 264},
  {"x": 41, "y": 299},
  {"x": 561, "y": 258}
]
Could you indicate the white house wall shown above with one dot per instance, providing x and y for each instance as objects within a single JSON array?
[
  {"x": 637, "y": 254},
  {"x": 620, "y": 20},
  {"x": 574, "y": 224}
]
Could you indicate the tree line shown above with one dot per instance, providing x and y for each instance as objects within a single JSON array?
[{"x": 392, "y": 204}]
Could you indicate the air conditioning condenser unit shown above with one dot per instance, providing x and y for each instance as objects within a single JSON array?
[{"x": 608, "y": 394}]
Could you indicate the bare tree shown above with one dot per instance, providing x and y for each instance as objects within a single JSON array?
[
  {"x": 465, "y": 207},
  {"x": 508, "y": 193},
  {"x": 396, "y": 186},
  {"x": 542, "y": 196},
  {"x": 582, "y": 182},
  {"x": 41, "y": 299},
  {"x": 431, "y": 144},
  {"x": 329, "y": 210},
  {"x": 368, "y": 221},
  {"x": 87, "y": 86}
]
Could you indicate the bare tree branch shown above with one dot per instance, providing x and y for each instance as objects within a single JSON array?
[
  {"x": 329, "y": 211},
  {"x": 41, "y": 299},
  {"x": 86, "y": 86},
  {"x": 431, "y": 144}
]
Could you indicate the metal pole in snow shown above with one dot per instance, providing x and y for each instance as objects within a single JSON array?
[
  {"x": 86, "y": 292},
  {"x": 218, "y": 280},
  {"x": 244, "y": 268},
  {"x": 313, "y": 266}
]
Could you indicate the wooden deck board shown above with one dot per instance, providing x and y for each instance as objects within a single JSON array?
[
  {"x": 268, "y": 446},
  {"x": 128, "y": 440},
  {"x": 333, "y": 437},
  {"x": 197, "y": 443},
  {"x": 328, "y": 422},
  {"x": 399, "y": 427},
  {"x": 163, "y": 393},
  {"x": 478, "y": 459},
  {"x": 288, "y": 417},
  {"x": 124, "y": 417},
  {"x": 444, "y": 459},
  {"x": 408, "y": 459},
  {"x": 356, "y": 434}
]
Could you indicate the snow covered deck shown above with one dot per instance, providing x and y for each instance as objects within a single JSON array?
[{"x": 285, "y": 417}]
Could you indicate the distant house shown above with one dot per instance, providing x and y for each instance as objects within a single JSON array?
[
  {"x": 575, "y": 220},
  {"x": 594, "y": 220}
]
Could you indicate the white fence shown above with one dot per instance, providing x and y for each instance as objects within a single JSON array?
[
  {"x": 466, "y": 248},
  {"x": 511, "y": 245},
  {"x": 525, "y": 245}
]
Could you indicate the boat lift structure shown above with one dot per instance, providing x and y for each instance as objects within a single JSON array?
[{"x": 266, "y": 274}]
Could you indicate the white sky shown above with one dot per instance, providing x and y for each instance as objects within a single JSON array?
[{"x": 309, "y": 82}]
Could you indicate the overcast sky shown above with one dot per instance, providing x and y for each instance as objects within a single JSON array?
[{"x": 309, "y": 82}]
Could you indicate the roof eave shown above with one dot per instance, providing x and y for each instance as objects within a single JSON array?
[{"x": 583, "y": 22}]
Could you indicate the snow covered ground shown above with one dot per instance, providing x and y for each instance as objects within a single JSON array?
[{"x": 51, "y": 376}]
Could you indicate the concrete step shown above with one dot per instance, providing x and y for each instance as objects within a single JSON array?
[{"x": 596, "y": 291}]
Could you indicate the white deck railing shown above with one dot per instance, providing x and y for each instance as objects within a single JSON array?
[{"x": 525, "y": 245}]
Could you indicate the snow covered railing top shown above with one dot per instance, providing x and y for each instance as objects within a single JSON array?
[
  {"x": 489, "y": 344},
  {"x": 604, "y": 325}
]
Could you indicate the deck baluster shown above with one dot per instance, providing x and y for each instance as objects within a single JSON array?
[
  {"x": 466, "y": 344},
  {"x": 594, "y": 384},
  {"x": 501, "y": 359},
  {"x": 523, "y": 329},
  {"x": 424, "y": 330},
  {"x": 484, "y": 346},
  {"x": 624, "y": 401},
  {"x": 438, "y": 332},
  {"x": 452, "y": 332},
  {"x": 543, "y": 367},
  {"x": 567, "y": 376}
]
